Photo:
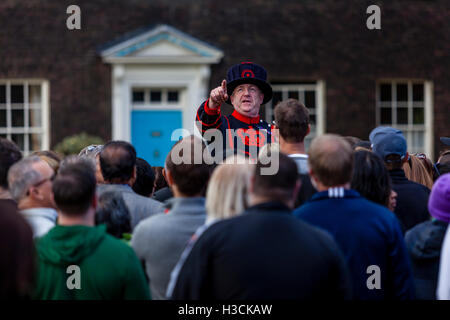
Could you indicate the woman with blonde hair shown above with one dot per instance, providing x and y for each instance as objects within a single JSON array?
[
  {"x": 416, "y": 171},
  {"x": 226, "y": 195}
]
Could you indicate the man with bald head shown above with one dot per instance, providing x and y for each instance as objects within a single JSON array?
[
  {"x": 118, "y": 166},
  {"x": 368, "y": 234}
]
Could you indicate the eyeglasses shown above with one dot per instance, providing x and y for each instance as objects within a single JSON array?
[
  {"x": 51, "y": 178},
  {"x": 37, "y": 184}
]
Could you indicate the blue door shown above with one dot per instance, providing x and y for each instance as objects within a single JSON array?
[{"x": 151, "y": 132}]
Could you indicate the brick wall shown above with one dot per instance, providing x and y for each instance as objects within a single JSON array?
[{"x": 295, "y": 40}]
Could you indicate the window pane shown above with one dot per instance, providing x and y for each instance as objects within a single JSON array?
[
  {"x": 138, "y": 96},
  {"x": 293, "y": 95},
  {"x": 17, "y": 94},
  {"x": 35, "y": 141},
  {"x": 19, "y": 140},
  {"x": 3, "y": 118},
  {"x": 402, "y": 115},
  {"x": 385, "y": 92},
  {"x": 312, "y": 119},
  {"x": 3, "y": 94},
  {"x": 418, "y": 116},
  {"x": 402, "y": 92},
  {"x": 172, "y": 96},
  {"x": 34, "y": 94},
  {"x": 17, "y": 118},
  {"x": 310, "y": 99},
  {"x": 418, "y": 141},
  {"x": 308, "y": 140},
  {"x": 418, "y": 92},
  {"x": 277, "y": 97},
  {"x": 385, "y": 115},
  {"x": 155, "y": 96},
  {"x": 35, "y": 117}
]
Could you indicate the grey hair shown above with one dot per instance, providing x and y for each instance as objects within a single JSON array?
[
  {"x": 21, "y": 176},
  {"x": 76, "y": 159}
]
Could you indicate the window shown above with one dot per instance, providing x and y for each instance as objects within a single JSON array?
[
  {"x": 154, "y": 96},
  {"x": 310, "y": 94},
  {"x": 24, "y": 113},
  {"x": 406, "y": 105}
]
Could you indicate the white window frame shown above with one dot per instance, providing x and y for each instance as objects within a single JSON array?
[
  {"x": 44, "y": 129},
  {"x": 320, "y": 110},
  {"x": 426, "y": 127},
  {"x": 164, "y": 104}
]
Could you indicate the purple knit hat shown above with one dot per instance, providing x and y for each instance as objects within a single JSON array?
[{"x": 439, "y": 202}]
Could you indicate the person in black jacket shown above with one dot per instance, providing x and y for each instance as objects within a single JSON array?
[
  {"x": 424, "y": 241},
  {"x": 265, "y": 253},
  {"x": 412, "y": 197}
]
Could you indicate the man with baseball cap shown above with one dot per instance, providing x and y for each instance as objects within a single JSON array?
[
  {"x": 445, "y": 140},
  {"x": 243, "y": 131},
  {"x": 390, "y": 144}
]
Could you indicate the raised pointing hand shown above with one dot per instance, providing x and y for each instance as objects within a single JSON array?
[{"x": 218, "y": 95}]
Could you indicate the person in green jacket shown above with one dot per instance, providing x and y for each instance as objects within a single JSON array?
[{"x": 80, "y": 261}]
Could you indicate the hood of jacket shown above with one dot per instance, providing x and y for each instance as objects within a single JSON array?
[
  {"x": 66, "y": 245},
  {"x": 424, "y": 241}
]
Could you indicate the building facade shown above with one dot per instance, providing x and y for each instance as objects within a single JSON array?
[{"x": 137, "y": 70}]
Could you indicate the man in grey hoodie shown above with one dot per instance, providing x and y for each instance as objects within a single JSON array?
[{"x": 161, "y": 239}]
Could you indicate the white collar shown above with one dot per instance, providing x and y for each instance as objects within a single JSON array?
[
  {"x": 301, "y": 155},
  {"x": 48, "y": 213}
]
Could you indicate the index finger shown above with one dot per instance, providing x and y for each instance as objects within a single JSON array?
[{"x": 224, "y": 85}]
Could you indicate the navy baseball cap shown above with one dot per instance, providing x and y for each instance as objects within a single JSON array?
[
  {"x": 378, "y": 132},
  {"x": 445, "y": 140},
  {"x": 248, "y": 72},
  {"x": 386, "y": 141}
]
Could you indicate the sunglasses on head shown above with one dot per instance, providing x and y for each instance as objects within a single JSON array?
[
  {"x": 90, "y": 148},
  {"x": 420, "y": 155}
]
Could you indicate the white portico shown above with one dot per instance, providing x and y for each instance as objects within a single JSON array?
[{"x": 159, "y": 78}]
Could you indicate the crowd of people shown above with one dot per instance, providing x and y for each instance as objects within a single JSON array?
[{"x": 346, "y": 219}]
